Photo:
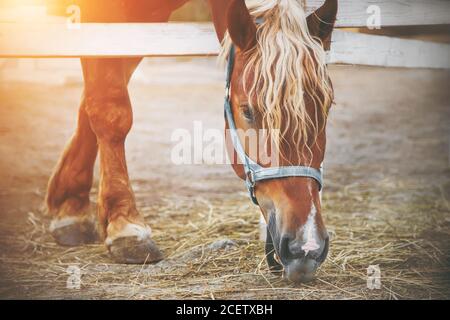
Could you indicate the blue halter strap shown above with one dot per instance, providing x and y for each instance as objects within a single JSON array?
[{"x": 253, "y": 171}]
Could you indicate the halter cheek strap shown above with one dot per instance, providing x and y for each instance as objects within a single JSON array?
[{"x": 253, "y": 171}]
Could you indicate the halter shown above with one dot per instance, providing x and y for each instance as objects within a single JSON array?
[{"x": 253, "y": 171}]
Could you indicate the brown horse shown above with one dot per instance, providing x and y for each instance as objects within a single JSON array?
[
  {"x": 301, "y": 96},
  {"x": 104, "y": 120},
  {"x": 280, "y": 82}
]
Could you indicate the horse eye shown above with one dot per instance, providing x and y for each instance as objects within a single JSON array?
[{"x": 247, "y": 112}]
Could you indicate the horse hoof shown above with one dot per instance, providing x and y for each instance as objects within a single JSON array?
[
  {"x": 134, "y": 246},
  {"x": 132, "y": 250},
  {"x": 74, "y": 231}
]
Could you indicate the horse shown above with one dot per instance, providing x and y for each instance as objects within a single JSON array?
[
  {"x": 104, "y": 120},
  {"x": 278, "y": 81}
]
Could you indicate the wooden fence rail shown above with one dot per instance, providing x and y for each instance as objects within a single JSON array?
[
  {"x": 197, "y": 39},
  {"x": 55, "y": 39},
  {"x": 353, "y": 13}
]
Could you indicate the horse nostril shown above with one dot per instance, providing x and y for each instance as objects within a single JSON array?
[
  {"x": 285, "y": 253},
  {"x": 296, "y": 249},
  {"x": 290, "y": 249},
  {"x": 325, "y": 249}
]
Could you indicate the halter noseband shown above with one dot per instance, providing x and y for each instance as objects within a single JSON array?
[{"x": 253, "y": 171}]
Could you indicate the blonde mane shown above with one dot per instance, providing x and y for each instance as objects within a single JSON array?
[{"x": 288, "y": 67}]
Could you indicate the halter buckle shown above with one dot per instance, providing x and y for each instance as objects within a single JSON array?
[
  {"x": 250, "y": 178},
  {"x": 250, "y": 183},
  {"x": 227, "y": 93}
]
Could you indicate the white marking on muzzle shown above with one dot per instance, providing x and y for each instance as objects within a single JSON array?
[
  {"x": 310, "y": 232},
  {"x": 262, "y": 228}
]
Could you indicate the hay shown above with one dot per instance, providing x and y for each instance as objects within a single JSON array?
[{"x": 408, "y": 239}]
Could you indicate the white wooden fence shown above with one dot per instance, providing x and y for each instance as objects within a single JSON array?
[{"x": 46, "y": 39}]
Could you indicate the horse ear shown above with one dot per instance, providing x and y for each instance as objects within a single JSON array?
[
  {"x": 241, "y": 27},
  {"x": 321, "y": 22}
]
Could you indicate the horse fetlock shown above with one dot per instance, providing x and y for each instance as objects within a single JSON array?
[
  {"x": 74, "y": 230},
  {"x": 121, "y": 227},
  {"x": 68, "y": 191}
]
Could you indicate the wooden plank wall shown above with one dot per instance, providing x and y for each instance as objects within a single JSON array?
[
  {"x": 194, "y": 39},
  {"x": 353, "y": 13},
  {"x": 55, "y": 39}
]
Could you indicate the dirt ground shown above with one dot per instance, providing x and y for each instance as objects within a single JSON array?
[{"x": 386, "y": 197}]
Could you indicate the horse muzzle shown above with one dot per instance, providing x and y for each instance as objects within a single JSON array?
[
  {"x": 300, "y": 266},
  {"x": 288, "y": 256}
]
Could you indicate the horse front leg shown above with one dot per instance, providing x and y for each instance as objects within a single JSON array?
[
  {"x": 127, "y": 236},
  {"x": 74, "y": 219},
  {"x": 67, "y": 198}
]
